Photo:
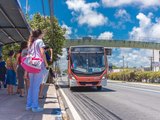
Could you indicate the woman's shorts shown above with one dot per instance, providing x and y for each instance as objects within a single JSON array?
[
  {"x": 11, "y": 77},
  {"x": 20, "y": 76}
]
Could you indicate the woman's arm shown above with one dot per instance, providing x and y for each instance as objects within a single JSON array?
[
  {"x": 43, "y": 56},
  {"x": 51, "y": 51},
  {"x": 17, "y": 58},
  {"x": 14, "y": 64}
]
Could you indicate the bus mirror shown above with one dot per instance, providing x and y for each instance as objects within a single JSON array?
[
  {"x": 67, "y": 49},
  {"x": 108, "y": 51}
]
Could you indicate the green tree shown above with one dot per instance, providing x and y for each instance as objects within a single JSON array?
[
  {"x": 7, "y": 48},
  {"x": 53, "y": 37}
]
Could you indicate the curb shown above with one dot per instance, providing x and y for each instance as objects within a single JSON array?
[
  {"x": 65, "y": 115},
  {"x": 140, "y": 83}
]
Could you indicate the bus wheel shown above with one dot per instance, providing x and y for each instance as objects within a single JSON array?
[
  {"x": 99, "y": 87},
  {"x": 71, "y": 88}
]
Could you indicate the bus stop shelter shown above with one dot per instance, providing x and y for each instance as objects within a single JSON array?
[{"x": 13, "y": 25}]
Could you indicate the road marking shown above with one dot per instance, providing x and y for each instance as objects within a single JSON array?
[
  {"x": 135, "y": 83},
  {"x": 142, "y": 89},
  {"x": 71, "y": 107}
]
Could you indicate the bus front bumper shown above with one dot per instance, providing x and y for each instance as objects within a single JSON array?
[
  {"x": 103, "y": 82},
  {"x": 73, "y": 83}
]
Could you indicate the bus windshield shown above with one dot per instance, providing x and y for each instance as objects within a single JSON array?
[{"x": 87, "y": 63}]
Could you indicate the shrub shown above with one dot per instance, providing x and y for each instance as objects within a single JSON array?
[{"x": 137, "y": 76}]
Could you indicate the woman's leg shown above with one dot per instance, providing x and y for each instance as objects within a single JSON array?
[
  {"x": 45, "y": 77},
  {"x": 11, "y": 89},
  {"x": 37, "y": 82},
  {"x": 30, "y": 91},
  {"x": 21, "y": 93},
  {"x": 41, "y": 91},
  {"x": 8, "y": 89},
  {"x": 27, "y": 83}
]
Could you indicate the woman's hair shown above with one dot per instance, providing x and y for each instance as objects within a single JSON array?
[
  {"x": 0, "y": 57},
  {"x": 23, "y": 45},
  {"x": 46, "y": 47},
  {"x": 34, "y": 35},
  {"x": 11, "y": 53}
]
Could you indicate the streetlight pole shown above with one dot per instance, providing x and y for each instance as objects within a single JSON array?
[
  {"x": 26, "y": 7},
  {"x": 123, "y": 68},
  {"x": 151, "y": 60},
  {"x": 51, "y": 10}
]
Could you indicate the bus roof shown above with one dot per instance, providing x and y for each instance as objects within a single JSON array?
[{"x": 87, "y": 48}]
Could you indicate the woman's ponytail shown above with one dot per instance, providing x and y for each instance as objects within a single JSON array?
[{"x": 34, "y": 35}]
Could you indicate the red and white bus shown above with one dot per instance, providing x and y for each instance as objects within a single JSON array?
[{"x": 87, "y": 66}]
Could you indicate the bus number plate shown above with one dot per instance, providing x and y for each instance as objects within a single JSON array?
[{"x": 88, "y": 84}]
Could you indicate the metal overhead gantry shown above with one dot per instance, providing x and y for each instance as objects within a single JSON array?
[{"x": 13, "y": 25}]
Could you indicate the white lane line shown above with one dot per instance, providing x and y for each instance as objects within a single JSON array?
[
  {"x": 142, "y": 89},
  {"x": 71, "y": 107}
]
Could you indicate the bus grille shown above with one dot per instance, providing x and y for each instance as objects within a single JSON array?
[{"x": 85, "y": 83}]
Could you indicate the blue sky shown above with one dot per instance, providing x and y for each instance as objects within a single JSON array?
[{"x": 108, "y": 19}]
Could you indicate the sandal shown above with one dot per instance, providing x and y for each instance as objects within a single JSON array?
[{"x": 21, "y": 96}]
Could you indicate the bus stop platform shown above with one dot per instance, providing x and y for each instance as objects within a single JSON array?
[{"x": 12, "y": 107}]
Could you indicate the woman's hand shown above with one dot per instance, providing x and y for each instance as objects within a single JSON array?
[{"x": 46, "y": 64}]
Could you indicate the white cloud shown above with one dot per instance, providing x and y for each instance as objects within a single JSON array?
[
  {"x": 86, "y": 13},
  {"x": 134, "y": 57},
  {"x": 68, "y": 30},
  {"x": 147, "y": 30},
  {"x": 106, "y": 35},
  {"x": 63, "y": 60},
  {"x": 141, "y": 3},
  {"x": 123, "y": 15}
]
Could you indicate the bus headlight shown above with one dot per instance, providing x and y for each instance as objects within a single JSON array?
[
  {"x": 72, "y": 77},
  {"x": 104, "y": 77}
]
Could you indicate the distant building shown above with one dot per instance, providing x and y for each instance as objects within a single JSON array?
[
  {"x": 86, "y": 38},
  {"x": 156, "y": 60}
]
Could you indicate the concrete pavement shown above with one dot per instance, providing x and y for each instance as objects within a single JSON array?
[
  {"x": 116, "y": 101},
  {"x": 12, "y": 107}
]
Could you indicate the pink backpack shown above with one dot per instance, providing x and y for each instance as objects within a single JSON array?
[{"x": 32, "y": 64}]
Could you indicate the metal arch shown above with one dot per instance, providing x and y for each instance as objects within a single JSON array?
[
  {"x": 113, "y": 43},
  {"x": 8, "y": 35},
  {"x": 1, "y": 43},
  {"x": 9, "y": 27},
  {"x": 11, "y": 22}
]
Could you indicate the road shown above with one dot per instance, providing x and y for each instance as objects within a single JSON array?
[{"x": 116, "y": 101}]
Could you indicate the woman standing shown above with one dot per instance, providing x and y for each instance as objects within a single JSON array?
[
  {"x": 2, "y": 72},
  {"x": 36, "y": 48},
  {"x": 11, "y": 74},
  {"x": 20, "y": 70},
  {"x": 46, "y": 72}
]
